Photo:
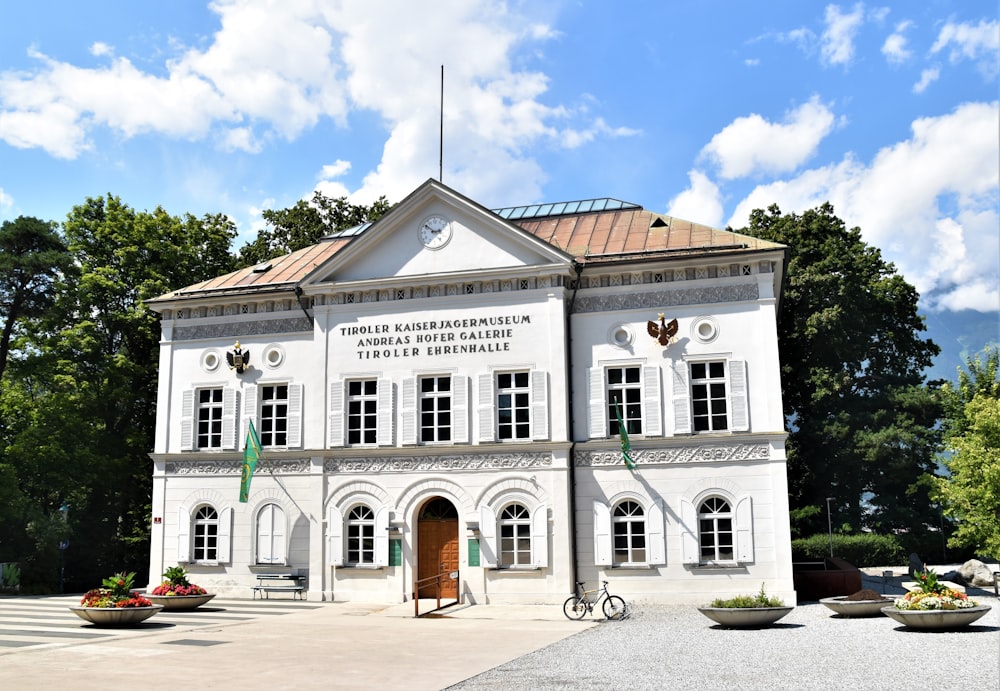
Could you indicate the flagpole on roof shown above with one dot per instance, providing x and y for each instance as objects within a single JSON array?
[{"x": 441, "y": 132}]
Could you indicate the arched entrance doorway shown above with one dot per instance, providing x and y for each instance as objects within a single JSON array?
[{"x": 437, "y": 545}]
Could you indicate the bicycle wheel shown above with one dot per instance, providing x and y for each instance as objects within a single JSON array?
[
  {"x": 614, "y": 607},
  {"x": 574, "y": 607}
]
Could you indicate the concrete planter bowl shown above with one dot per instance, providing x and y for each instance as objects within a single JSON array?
[
  {"x": 178, "y": 603},
  {"x": 936, "y": 619},
  {"x": 115, "y": 616},
  {"x": 745, "y": 617},
  {"x": 855, "y": 608}
]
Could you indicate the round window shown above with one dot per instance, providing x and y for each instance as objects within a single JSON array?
[
  {"x": 621, "y": 335},
  {"x": 705, "y": 329},
  {"x": 273, "y": 356},
  {"x": 210, "y": 360}
]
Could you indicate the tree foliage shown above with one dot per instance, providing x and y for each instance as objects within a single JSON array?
[
  {"x": 305, "y": 223},
  {"x": 861, "y": 419}
]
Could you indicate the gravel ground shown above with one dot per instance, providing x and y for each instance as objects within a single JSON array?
[{"x": 677, "y": 647}]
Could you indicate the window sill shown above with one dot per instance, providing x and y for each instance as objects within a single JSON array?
[
  {"x": 363, "y": 567},
  {"x": 718, "y": 566},
  {"x": 516, "y": 569},
  {"x": 633, "y": 567}
]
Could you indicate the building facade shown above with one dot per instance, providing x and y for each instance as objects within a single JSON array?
[{"x": 448, "y": 391}]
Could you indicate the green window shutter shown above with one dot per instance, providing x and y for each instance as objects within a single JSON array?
[
  {"x": 473, "y": 552},
  {"x": 395, "y": 552}
]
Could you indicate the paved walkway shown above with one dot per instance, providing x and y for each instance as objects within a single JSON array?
[{"x": 274, "y": 644}]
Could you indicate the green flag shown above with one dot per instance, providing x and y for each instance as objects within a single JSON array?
[
  {"x": 623, "y": 436},
  {"x": 251, "y": 454}
]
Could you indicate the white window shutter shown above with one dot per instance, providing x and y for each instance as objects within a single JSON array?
[
  {"x": 652, "y": 424},
  {"x": 602, "y": 534},
  {"x": 460, "y": 409},
  {"x": 336, "y": 416},
  {"x": 598, "y": 407},
  {"x": 740, "y": 413},
  {"x": 265, "y": 531},
  {"x": 382, "y": 536},
  {"x": 279, "y": 554},
  {"x": 681, "y": 399},
  {"x": 487, "y": 537},
  {"x": 408, "y": 432},
  {"x": 487, "y": 425},
  {"x": 187, "y": 420},
  {"x": 294, "y": 438},
  {"x": 183, "y": 535},
  {"x": 540, "y": 536},
  {"x": 744, "y": 530},
  {"x": 689, "y": 533},
  {"x": 383, "y": 397},
  {"x": 249, "y": 413},
  {"x": 539, "y": 405},
  {"x": 335, "y": 536},
  {"x": 230, "y": 428},
  {"x": 654, "y": 527},
  {"x": 224, "y": 554}
]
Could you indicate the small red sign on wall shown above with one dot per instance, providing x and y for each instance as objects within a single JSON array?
[{"x": 157, "y": 519}]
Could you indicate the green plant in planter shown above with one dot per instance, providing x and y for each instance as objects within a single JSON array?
[
  {"x": 177, "y": 583},
  {"x": 759, "y": 600}
]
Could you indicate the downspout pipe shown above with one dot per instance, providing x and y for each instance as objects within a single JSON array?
[{"x": 574, "y": 562}]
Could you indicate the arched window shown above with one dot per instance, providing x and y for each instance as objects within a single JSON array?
[
  {"x": 361, "y": 535},
  {"x": 515, "y": 536},
  {"x": 629, "y": 525},
  {"x": 206, "y": 534},
  {"x": 271, "y": 535},
  {"x": 715, "y": 530}
]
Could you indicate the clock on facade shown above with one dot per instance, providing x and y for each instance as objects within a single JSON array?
[{"x": 435, "y": 232}]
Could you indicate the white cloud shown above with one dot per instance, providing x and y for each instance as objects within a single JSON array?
[
  {"x": 6, "y": 202},
  {"x": 751, "y": 145},
  {"x": 978, "y": 43},
  {"x": 930, "y": 203},
  {"x": 335, "y": 169},
  {"x": 837, "y": 41},
  {"x": 927, "y": 77},
  {"x": 894, "y": 49},
  {"x": 701, "y": 201}
]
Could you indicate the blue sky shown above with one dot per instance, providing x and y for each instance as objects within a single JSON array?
[{"x": 698, "y": 108}]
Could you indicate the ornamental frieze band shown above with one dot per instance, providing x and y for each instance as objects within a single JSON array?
[
  {"x": 233, "y": 329},
  {"x": 210, "y": 467},
  {"x": 684, "y": 454},
  {"x": 667, "y": 298},
  {"x": 481, "y": 461}
]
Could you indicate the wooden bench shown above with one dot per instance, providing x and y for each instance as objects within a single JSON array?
[{"x": 268, "y": 583}]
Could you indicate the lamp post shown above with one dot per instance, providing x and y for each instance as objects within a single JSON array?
[{"x": 829, "y": 523}]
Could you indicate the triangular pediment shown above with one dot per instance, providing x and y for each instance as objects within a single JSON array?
[{"x": 461, "y": 237}]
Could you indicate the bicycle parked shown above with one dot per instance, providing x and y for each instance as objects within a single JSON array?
[{"x": 584, "y": 601}]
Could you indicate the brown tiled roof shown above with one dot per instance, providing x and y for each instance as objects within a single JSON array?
[{"x": 597, "y": 237}]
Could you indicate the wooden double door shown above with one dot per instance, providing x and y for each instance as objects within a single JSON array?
[{"x": 437, "y": 546}]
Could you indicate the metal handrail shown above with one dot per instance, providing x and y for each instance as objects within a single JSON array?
[{"x": 423, "y": 582}]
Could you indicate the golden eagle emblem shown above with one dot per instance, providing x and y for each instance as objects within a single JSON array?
[
  {"x": 662, "y": 332},
  {"x": 238, "y": 359}
]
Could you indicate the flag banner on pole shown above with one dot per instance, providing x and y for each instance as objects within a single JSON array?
[
  {"x": 251, "y": 454},
  {"x": 623, "y": 436}
]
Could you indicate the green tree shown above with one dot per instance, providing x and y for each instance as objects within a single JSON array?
[
  {"x": 852, "y": 359},
  {"x": 305, "y": 223}
]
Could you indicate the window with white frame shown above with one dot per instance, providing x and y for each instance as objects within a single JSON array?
[
  {"x": 631, "y": 389},
  {"x": 629, "y": 522},
  {"x": 434, "y": 408},
  {"x": 515, "y": 536},
  {"x": 624, "y": 398},
  {"x": 274, "y": 415},
  {"x": 708, "y": 396},
  {"x": 362, "y": 411},
  {"x": 360, "y": 535},
  {"x": 513, "y": 405},
  {"x": 209, "y": 417},
  {"x": 715, "y": 530},
  {"x": 271, "y": 535},
  {"x": 206, "y": 535}
]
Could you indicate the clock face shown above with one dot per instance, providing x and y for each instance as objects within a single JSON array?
[{"x": 435, "y": 232}]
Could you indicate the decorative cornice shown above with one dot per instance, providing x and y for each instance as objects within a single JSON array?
[
  {"x": 703, "y": 295},
  {"x": 234, "y": 329},
  {"x": 730, "y": 453},
  {"x": 220, "y": 467},
  {"x": 476, "y": 461}
]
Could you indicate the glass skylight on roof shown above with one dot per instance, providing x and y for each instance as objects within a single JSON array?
[{"x": 515, "y": 213}]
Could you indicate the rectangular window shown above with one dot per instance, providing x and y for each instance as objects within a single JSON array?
[
  {"x": 434, "y": 409},
  {"x": 624, "y": 395},
  {"x": 274, "y": 415},
  {"x": 708, "y": 396},
  {"x": 362, "y": 411},
  {"x": 210, "y": 418},
  {"x": 513, "y": 405}
]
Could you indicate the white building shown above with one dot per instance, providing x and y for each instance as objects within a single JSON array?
[{"x": 435, "y": 393}]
